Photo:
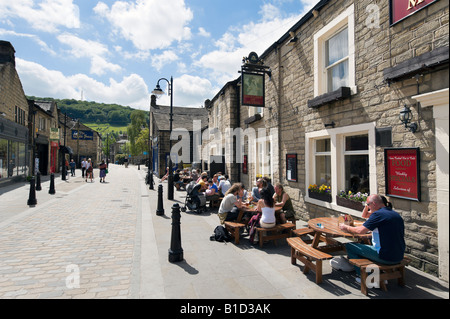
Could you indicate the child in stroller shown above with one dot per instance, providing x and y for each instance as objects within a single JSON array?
[{"x": 195, "y": 200}]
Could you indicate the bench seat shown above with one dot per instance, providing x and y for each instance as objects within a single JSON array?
[
  {"x": 278, "y": 232},
  {"x": 234, "y": 229},
  {"x": 386, "y": 272},
  {"x": 309, "y": 256}
]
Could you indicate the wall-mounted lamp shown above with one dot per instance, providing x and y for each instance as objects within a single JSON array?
[
  {"x": 406, "y": 117},
  {"x": 293, "y": 39}
]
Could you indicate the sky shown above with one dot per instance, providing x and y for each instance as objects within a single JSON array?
[{"x": 116, "y": 51}]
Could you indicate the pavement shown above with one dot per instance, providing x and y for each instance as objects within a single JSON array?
[{"x": 104, "y": 240}]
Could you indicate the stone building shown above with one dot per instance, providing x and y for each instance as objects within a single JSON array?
[
  {"x": 45, "y": 120},
  {"x": 340, "y": 79},
  {"x": 188, "y": 124},
  {"x": 15, "y": 143}
]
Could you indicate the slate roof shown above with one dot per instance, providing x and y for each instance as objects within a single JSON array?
[{"x": 183, "y": 117}]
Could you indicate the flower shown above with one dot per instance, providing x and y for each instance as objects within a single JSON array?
[
  {"x": 322, "y": 189},
  {"x": 357, "y": 197}
]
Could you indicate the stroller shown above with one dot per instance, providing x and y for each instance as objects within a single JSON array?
[{"x": 195, "y": 201}]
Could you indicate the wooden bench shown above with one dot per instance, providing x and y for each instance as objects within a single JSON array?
[
  {"x": 309, "y": 256},
  {"x": 386, "y": 272},
  {"x": 303, "y": 232},
  {"x": 215, "y": 203},
  {"x": 234, "y": 229},
  {"x": 277, "y": 232}
]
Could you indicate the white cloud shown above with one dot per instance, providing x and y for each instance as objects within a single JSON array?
[
  {"x": 237, "y": 42},
  {"x": 149, "y": 24},
  {"x": 95, "y": 51},
  {"x": 188, "y": 91},
  {"x": 39, "y": 81},
  {"x": 42, "y": 44},
  {"x": 202, "y": 32},
  {"x": 47, "y": 15},
  {"x": 159, "y": 61}
]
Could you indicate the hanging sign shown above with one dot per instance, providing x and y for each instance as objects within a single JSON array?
[
  {"x": 253, "y": 89},
  {"x": 402, "y": 173}
]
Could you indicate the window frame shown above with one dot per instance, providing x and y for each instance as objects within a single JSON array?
[
  {"x": 345, "y": 19},
  {"x": 337, "y": 137}
]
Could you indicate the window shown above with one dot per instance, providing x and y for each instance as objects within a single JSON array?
[
  {"x": 322, "y": 162},
  {"x": 357, "y": 163},
  {"x": 334, "y": 55},
  {"x": 255, "y": 110},
  {"x": 343, "y": 158},
  {"x": 263, "y": 161},
  {"x": 41, "y": 124},
  {"x": 336, "y": 51}
]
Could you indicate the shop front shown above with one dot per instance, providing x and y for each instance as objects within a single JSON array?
[{"x": 13, "y": 151}]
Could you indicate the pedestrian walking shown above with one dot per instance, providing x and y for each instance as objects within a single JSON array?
[
  {"x": 72, "y": 167},
  {"x": 103, "y": 168},
  {"x": 89, "y": 170},
  {"x": 83, "y": 167}
]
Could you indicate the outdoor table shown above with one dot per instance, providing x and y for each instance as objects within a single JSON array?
[{"x": 327, "y": 228}]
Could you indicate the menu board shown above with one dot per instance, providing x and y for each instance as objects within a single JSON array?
[
  {"x": 291, "y": 167},
  {"x": 402, "y": 173}
]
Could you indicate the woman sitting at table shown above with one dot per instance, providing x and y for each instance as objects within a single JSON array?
[
  {"x": 229, "y": 207},
  {"x": 282, "y": 199},
  {"x": 266, "y": 206}
]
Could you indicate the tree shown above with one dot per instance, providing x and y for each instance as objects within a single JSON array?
[{"x": 138, "y": 122}]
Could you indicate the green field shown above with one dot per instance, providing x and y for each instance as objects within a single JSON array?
[{"x": 106, "y": 128}]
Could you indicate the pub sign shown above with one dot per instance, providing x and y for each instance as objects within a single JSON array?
[
  {"x": 402, "y": 173},
  {"x": 401, "y": 9}
]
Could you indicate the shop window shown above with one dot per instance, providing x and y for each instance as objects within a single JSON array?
[
  {"x": 334, "y": 55},
  {"x": 343, "y": 158}
]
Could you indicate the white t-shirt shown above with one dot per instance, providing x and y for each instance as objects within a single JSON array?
[
  {"x": 227, "y": 204},
  {"x": 224, "y": 186},
  {"x": 268, "y": 215},
  {"x": 83, "y": 164}
]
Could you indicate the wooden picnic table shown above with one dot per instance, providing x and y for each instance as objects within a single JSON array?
[{"x": 327, "y": 228}]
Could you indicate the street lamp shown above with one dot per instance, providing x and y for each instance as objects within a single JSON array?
[{"x": 158, "y": 91}]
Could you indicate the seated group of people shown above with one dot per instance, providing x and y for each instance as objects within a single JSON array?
[{"x": 266, "y": 197}]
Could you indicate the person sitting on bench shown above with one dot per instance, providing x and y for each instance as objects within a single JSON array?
[{"x": 388, "y": 232}]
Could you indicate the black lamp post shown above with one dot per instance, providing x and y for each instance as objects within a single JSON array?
[{"x": 158, "y": 91}]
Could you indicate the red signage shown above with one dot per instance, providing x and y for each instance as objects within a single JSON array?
[
  {"x": 400, "y": 9},
  {"x": 402, "y": 171}
]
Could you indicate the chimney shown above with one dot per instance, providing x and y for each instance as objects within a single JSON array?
[
  {"x": 7, "y": 53},
  {"x": 153, "y": 101}
]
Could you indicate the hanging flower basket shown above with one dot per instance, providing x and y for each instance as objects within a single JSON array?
[
  {"x": 349, "y": 203},
  {"x": 320, "y": 196}
]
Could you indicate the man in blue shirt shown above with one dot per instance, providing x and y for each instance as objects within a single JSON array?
[{"x": 388, "y": 232}]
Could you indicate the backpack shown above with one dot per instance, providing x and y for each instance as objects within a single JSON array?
[{"x": 221, "y": 234}]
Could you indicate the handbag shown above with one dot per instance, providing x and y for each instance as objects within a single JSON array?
[{"x": 106, "y": 171}]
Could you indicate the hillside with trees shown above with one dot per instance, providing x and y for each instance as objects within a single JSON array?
[{"x": 93, "y": 112}]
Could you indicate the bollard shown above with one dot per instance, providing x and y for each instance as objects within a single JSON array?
[
  {"x": 38, "y": 181},
  {"x": 150, "y": 180},
  {"x": 160, "y": 210},
  {"x": 52, "y": 184},
  {"x": 175, "y": 251},
  {"x": 32, "y": 197},
  {"x": 63, "y": 173},
  {"x": 139, "y": 167}
]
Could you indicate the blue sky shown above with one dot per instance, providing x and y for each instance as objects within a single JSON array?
[{"x": 115, "y": 51}]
